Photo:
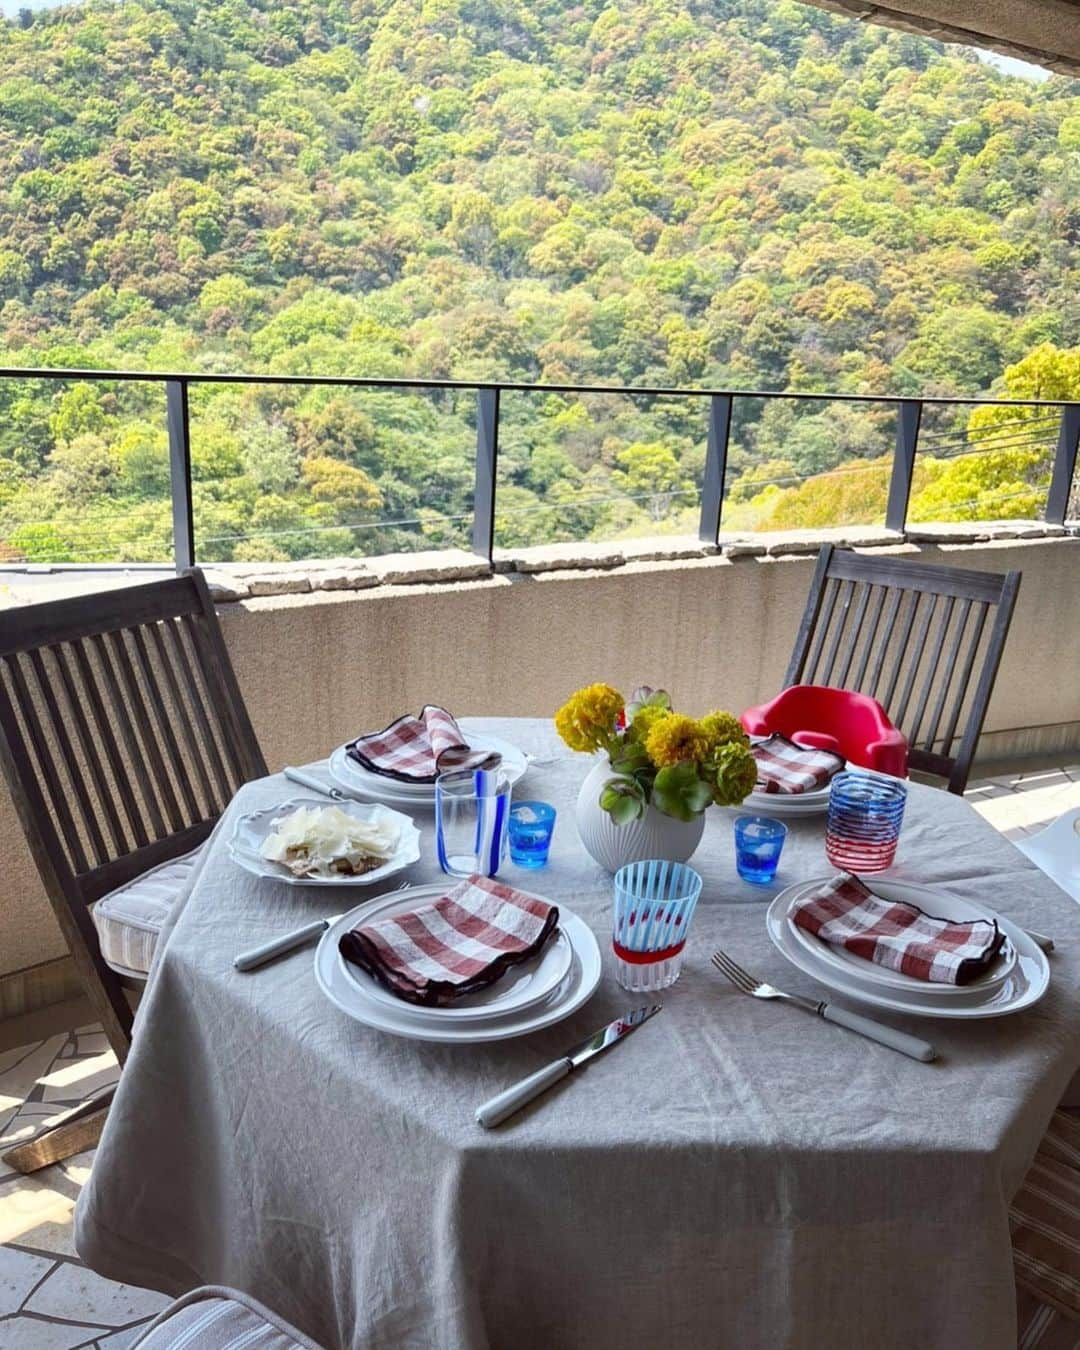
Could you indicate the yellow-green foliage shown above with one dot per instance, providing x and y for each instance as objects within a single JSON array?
[{"x": 735, "y": 193}]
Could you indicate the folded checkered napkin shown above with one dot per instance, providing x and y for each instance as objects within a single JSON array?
[
  {"x": 783, "y": 766},
  {"x": 846, "y": 913},
  {"x": 464, "y": 941},
  {"x": 418, "y": 749}
]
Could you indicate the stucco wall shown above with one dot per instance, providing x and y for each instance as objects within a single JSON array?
[{"x": 317, "y": 668}]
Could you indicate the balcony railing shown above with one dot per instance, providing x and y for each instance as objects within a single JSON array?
[{"x": 719, "y": 422}]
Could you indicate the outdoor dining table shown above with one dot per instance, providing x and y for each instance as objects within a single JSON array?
[{"x": 737, "y": 1174}]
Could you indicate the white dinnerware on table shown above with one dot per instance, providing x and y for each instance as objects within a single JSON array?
[
  {"x": 1018, "y": 979},
  {"x": 358, "y": 781},
  {"x": 531, "y": 996},
  {"x": 251, "y": 831},
  {"x": 813, "y": 803}
]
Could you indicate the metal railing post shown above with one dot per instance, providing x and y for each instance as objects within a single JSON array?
[
  {"x": 487, "y": 456},
  {"x": 183, "y": 516},
  {"x": 909, "y": 415},
  {"x": 712, "y": 487},
  {"x": 1061, "y": 481}
]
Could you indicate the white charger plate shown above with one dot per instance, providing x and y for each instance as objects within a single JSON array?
[
  {"x": 353, "y": 777},
  {"x": 945, "y": 906},
  {"x": 337, "y": 983},
  {"x": 523, "y": 986},
  {"x": 1027, "y": 982},
  {"x": 251, "y": 829}
]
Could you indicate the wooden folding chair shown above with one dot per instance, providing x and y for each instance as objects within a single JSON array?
[
  {"x": 924, "y": 640},
  {"x": 123, "y": 736}
]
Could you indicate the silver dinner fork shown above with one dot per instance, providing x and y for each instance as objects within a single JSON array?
[{"x": 874, "y": 1031}]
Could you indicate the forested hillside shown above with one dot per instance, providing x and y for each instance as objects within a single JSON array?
[{"x": 693, "y": 193}]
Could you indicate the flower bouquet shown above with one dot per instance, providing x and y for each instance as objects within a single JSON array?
[{"x": 659, "y": 763}]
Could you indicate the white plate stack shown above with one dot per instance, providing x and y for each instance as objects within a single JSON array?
[
  {"x": 353, "y": 778},
  {"x": 787, "y": 803},
  {"x": 1017, "y": 979},
  {"x": 530, "y": 996}
]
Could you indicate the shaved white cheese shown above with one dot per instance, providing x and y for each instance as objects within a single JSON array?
[{"x": 325, "y": 841}]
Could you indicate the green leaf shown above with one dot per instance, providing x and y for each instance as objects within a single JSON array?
[
  {"x": 630, "y": 758},
  {"x": 625, "y": 810},
  {"x": 679, "y": 792},
  {"x": 644, "y": 697},
  {"x": 623, "y": 799}
]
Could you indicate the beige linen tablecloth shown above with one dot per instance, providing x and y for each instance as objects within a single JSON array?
[{"x": 738, "y": 1174}]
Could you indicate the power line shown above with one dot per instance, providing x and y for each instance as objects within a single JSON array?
[{"x": 996, "y": 426}]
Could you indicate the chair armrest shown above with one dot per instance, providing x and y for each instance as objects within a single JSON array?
[
  {"x": 816, "y": 740},
  {"x": 890, "y": 754},
  {"x": 755, "y": 721}
]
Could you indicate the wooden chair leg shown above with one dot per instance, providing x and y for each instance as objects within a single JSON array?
[{"x": 73, "y": 1133}]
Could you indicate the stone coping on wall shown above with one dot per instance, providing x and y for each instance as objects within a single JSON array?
[{"x": 233, "y": 582}]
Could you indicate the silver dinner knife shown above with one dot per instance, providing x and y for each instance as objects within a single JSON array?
[
  {"x": 258, "y": 956},
  {"x": 495, "y": 1111}
]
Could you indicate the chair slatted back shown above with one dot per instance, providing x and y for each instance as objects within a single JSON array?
[
  {"x": 924, "y": 640},
  {"x": 123, "y": 736}
]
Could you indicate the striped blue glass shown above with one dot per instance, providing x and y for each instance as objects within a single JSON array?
[
  {"x": 866, "y": 812},
  {"x": 654, "y": 903},
  {"x": 471, "y": 810}
]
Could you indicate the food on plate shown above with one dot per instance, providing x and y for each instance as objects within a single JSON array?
[{"x": 325, "y": 841}]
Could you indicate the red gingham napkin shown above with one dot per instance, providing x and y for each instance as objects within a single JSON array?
[
  {"x": 899, "y": 936},
  {"x": 418, "y": 749},
  {"x": 464, "y": 941},
  {"x": 783, "y": 766}
]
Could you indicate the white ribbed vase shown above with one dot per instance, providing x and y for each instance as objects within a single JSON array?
[{"x": 653, "y": 835}]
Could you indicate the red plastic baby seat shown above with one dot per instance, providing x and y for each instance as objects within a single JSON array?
[{"x": 854, "y": 725}]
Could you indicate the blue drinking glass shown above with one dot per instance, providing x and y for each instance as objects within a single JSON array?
[
  {"x": 531, "y": 826},
  {"x": 758, "y": 842}
]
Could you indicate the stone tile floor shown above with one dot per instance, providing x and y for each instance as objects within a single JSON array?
[{"x": 50, "y": 1301}]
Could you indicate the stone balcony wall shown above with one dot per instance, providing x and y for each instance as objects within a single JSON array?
[{"x": 323, "y": 651}]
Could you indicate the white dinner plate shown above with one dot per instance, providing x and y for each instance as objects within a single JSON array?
[
  {"x": 353, "y": 777},
  {"x": 935, "y": 901},
  {"x": 250, "y": 831},
  {"x": 787, "y": 803},
  {"x": 523, "y": 986},
  {"x": 384, "y": 790},
  {"x": 1026, "y": 984},
  {"x": 339, "y": 986}
]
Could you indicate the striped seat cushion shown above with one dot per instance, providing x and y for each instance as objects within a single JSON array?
[
  {"x": 1040, "y": 1327},
  {"x": 1045, "y": 1220},
  {"x": 129, "y": 919},
  {"x": 220, "y": 1319}
]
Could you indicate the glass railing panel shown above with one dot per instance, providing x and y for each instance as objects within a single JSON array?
[
  {"x": 290, "y": 472},
  {"x": 84, "y": 472},
  {"x": 983, "y": 463},
  {"x": 598, "y": 467},
  {"x": 807, "y": 464}
]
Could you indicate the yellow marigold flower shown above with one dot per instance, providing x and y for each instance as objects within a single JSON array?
[
  {"x": 723, "y": 728},
  {"x": 676, "y": 738},
  {"x": 646, "y": 719},
  {"x": 586, "y": 721}
]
